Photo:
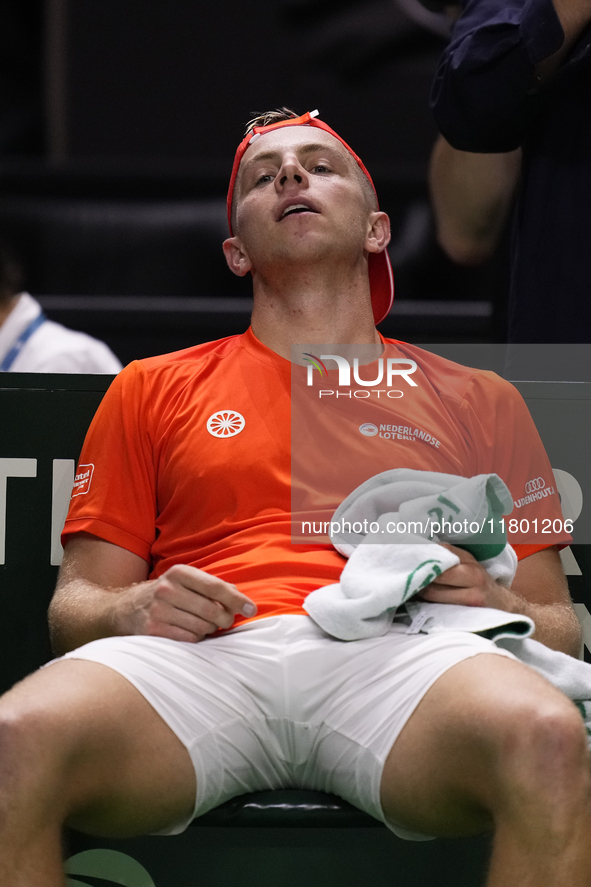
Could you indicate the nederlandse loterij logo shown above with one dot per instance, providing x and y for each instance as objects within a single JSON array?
[
  {"x": 368, "y": 429},
  {"x": 225, "y": 423}
]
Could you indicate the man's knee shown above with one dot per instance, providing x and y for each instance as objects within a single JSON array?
[
  {"x": 517, "y": 718},
  {"x": 27, "y": 724},
  {"x": 489, "y": 730},
  {"x": 81, "y": 741},
  {"x": 20, "y": 732},
  {"x": 33, "y": 761},
  {"x": 541, "y": 741},
  {"x": 48, "y": 726}
]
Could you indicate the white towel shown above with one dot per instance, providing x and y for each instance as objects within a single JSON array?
[
  {"x": 378, "y": 578},
  {"x": 385, "y": 569},
  {"x": 423, "y": 501}
]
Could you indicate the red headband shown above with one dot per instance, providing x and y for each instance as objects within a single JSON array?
[{"x": 381, "y": 279}]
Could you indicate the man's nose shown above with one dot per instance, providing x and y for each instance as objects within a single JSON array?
[{"x": 291, "y": 172}]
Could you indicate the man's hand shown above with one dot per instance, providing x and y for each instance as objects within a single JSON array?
[
  {"x": 539, "y": 590},
  {"x": 469, "y": 584},
  {"x": 184, "y": 604},
  {"x": 104, "y": 590}
]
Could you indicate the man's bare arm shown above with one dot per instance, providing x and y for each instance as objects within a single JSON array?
[
  {"x": 471, "y": 196},
  {"x": 103, "y": 590},
  {"x": 539, "y": 590},
  {"x": 472, "y": 192},
  {"x": 574, "y": 16}
]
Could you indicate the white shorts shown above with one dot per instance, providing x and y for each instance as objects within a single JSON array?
[{"x": 277, "y": 703}]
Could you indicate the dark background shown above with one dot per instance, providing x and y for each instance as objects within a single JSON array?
[{"x": 118, "y": 124}]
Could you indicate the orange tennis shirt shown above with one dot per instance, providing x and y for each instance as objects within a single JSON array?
[{"x": 188, "y": 461}]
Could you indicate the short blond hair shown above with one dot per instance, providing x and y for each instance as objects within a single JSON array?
[{"x": 267, "y": 118}]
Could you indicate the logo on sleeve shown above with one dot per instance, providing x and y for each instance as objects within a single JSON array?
[
  {"x": 225, "y": 423},
  {"x": 538, "y": 483},
  {"x": 535, "y": 489},
  {"x": 83, "y": 480}
]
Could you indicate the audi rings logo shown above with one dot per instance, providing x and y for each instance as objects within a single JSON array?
[
  {"x": 368, "y": 429},
  {"x": 538, "y": 483},
  {"x": 225, "y": 423}
]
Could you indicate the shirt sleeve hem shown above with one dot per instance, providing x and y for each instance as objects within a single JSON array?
[
  {"x": 523, "y": 549},
  {"x": 108, "y": 533}
]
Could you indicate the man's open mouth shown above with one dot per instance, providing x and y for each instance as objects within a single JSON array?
[{"x": 294, "y": 208}]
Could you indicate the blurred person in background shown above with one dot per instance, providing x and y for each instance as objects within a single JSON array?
[
  {"x": 30, "y": 343},
  {"x": 511, "y": 100}
]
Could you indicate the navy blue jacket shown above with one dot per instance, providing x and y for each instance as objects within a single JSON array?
[{"x": 485, "y": 98}]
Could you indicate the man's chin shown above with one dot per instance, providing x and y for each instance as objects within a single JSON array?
[{"x": 308, "y": 250}]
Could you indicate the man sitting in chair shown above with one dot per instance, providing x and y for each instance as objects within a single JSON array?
[{"x": 191, "y": 671}]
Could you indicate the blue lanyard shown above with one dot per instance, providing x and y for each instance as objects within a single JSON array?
[{"x": 18, "y": 345}]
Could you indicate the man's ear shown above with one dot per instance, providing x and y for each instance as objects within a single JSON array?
[
  {"x": 378, "y": 236},
  {"x": 236, "y": 256}
]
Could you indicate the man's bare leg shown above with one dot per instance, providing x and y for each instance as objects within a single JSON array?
[
  {"x": 493, "y": 745},
  {"x": 79, "y": 743}
]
